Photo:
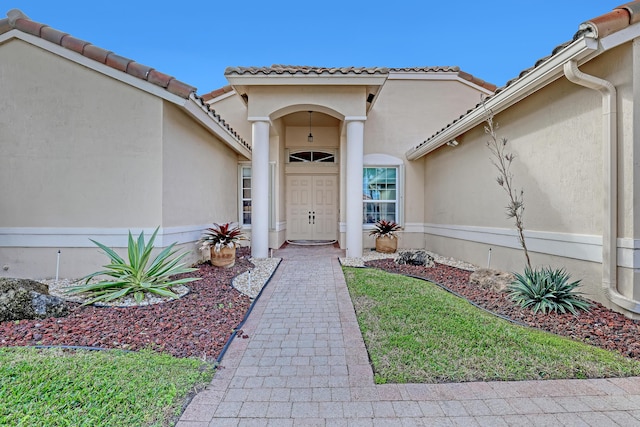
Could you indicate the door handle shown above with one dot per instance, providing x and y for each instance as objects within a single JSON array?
[
  {"x": 314, "y": 217},
  {"x": 309, "y": 217}
]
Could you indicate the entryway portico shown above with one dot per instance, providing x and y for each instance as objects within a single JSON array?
[{"x": 307, "y": 199}]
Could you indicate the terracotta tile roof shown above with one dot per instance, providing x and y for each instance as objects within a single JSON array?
[
  {"x": 216, "y": 93},
  {"x": 201, "y": 101},
  {"x": 19, "y": 21},
  {"x": 304, "y": 70},
  {"x": 449, "y": 69},
  {"x": 618, "y": 19}
]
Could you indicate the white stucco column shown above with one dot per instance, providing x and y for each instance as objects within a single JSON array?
[
  {"x": 355, "y": 150},
  {"x": 260, "y": 189}
]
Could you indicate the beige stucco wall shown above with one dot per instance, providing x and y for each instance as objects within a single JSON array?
[
  {"x": 405, "y": 113},
  {"x": 234, "y": 111},
  {"x": 74, "y": 144},
  {"x": 343, "y": 100},
  {"x": 82, "y": 154},
  {"x": 200, "y": 173},
  {"x": 556, "y": 135}
]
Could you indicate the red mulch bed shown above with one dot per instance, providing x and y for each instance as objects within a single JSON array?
[
  {"x": 196, "y": 325},
  {"x": 600, "y": 326}
]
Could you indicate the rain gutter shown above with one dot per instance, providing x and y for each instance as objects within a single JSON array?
[{"x": 610, "y": 173}]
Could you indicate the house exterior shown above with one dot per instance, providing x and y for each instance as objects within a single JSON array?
[
  {"x": 329, "y": 151},
  {"x": 572, "y": 121},
  {"x": 93, "y": 145},
  {"x": 362, "y": 120}
]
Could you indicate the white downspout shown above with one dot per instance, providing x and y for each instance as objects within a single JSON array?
[{"x": 610, "y": 212}]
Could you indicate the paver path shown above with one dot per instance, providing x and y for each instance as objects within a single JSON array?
[{"x": 304, "y": 363}]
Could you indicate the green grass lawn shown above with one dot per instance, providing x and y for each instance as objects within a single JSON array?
[
  {"x": 416, "y": 332},
  {"x": 100, "y": 388}
]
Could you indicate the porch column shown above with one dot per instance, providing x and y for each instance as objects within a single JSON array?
[
  {"x": 355, "y": 150},
  {"x": 260, "y": 189}
]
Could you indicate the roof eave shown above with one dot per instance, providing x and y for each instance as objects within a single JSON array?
[
  {"x": 581, "y": 50},
  {"x": 200, "y": 111}
]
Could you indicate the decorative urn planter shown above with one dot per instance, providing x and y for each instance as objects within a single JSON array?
[
  {"x": 222, "y": 241},
  {"x": 225, "y": 257},
  {"x": 386, "y": 238},
  {"x": 386, "y": 244}
]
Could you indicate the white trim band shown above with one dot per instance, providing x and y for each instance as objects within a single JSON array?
[
  {"x": 72, "y": 237},
  {"x": 583, "y": 247}
]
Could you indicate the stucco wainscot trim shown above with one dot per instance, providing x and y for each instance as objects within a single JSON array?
[
  {"x": 582, "y": 247},
  {"x": 72, "y": 237}
]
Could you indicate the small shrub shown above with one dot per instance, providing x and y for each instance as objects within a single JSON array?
[
  {"x": 222, "y": 235},
  {"x": 135, "y": 277},
  {"x": 547, "y": 290},
  {"x": 385, "y": 228}
]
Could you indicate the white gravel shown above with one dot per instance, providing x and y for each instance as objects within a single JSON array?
[
  {"x": 58, "y": 288},
  {"x": 252, "y": 281},
  {"x": 373, "y": 255}
]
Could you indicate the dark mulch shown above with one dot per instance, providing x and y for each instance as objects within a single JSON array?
[
  {"x": 196, "y": 325},
  {"x": 600, "y": 326}
]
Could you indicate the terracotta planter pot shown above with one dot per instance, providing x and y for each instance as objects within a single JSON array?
[
  {"x": 225, "y": 257},
  {"x": 386, "y": 244}
]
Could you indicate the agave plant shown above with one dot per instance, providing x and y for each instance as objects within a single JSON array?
[
  {"x": 547, "y": 290},
  {"x": 385, "y": 228},
  {"x": 221, "y": 235},
  {"x": 136, "y": 277}
]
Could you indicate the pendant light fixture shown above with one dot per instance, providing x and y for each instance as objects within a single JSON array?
[{"x": 310, "y": 137}]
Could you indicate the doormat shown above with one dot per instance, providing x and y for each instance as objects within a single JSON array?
[{"x": 311, "y": 242}]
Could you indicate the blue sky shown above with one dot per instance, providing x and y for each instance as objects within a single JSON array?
[{"x": 195, "y": 41}]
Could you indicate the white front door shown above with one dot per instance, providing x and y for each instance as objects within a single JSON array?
[{"x": 312, "y": 207}]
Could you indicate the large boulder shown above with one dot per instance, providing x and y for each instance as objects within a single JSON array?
[
  {"x": 418, "y": 257},
  {"x": 487, "y": 278},
  {"x": 28, "y": 299}
]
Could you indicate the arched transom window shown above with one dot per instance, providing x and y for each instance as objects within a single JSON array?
[{"x": 312, "y": 156}]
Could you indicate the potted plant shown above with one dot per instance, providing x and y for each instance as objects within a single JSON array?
[
  {"x": 222, "y": 241},
  {"x": 385, "y": 233}
]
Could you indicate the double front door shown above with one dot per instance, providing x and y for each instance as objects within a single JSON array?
[{"x": 312, "y": 207}]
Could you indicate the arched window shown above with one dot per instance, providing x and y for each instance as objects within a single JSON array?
[{"x": 312, "y": 156}]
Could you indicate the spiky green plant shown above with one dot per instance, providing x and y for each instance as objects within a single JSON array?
[
  {"x": 135, "y": 277},
  {"x": 547, "y": 290},
  {"x": 223, "y": 235},
  {"x": 385, "y": 228}
]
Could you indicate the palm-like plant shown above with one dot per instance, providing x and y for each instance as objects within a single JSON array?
[
  {"x": 547, "y": 289},
  {"x": 135, "y": 277},
  {"x": 385, "y": 228},
  {"x": 221, "y": 235}
]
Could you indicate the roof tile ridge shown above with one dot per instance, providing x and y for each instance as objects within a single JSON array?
[
  {"x": 18, "y": 20},
  {"x": 611, "y": 22},
  {"x": 201, "y": 102}
]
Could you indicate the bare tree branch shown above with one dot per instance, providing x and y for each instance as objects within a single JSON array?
[{"x": 502, "y": 161}]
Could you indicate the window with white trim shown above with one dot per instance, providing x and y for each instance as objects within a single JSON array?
[
  {"x": 245, "y": 195},
  {"x": 380, "y": 194}
]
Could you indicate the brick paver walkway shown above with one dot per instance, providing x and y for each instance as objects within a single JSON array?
[{"x": 305, "y": 364}]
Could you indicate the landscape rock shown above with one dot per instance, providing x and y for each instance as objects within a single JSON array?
[
  {"x": 487, "y": 278},
  {"x": 418, "y": 257},
  {"x": 28, "y": 299}
]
